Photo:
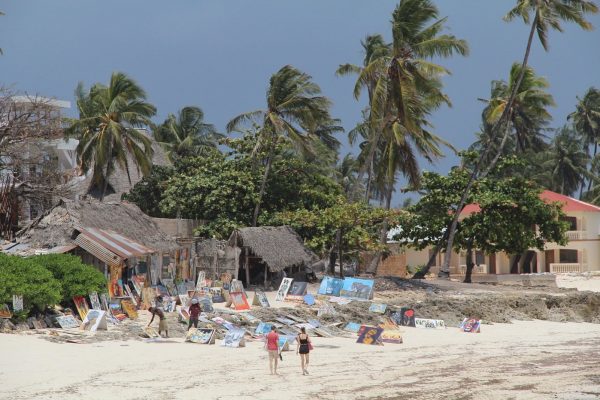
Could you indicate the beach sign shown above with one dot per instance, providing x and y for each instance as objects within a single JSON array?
[{"x": 430, "y": 323}]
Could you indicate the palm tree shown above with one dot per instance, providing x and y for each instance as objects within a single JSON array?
[
  {"x": 586, "y": 119},
  {"x": 296, "y": 112},
  {"x": 529, "y": 115},
  {"x": 186, "y": 134},
  {"x": 547, "y": 14},
  {"x": 566, "y": 162},
  {"x": 1, "y": 14},
  {"x": 108, "y": 129}
]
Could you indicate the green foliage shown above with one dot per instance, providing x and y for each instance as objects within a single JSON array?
[
  {"x": 23, "y": 276},
  {"x": 148, "y": 192},
  {"x": 359, "y": 223},
  {"x": 510, "y": 208},
  {"x": 75, "y": 277}
]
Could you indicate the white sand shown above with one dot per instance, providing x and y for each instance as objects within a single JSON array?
[
  {"x": 524, "y": 360},
  {"x": 579, "y": 282}
]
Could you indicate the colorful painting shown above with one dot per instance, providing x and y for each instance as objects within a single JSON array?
[
  {"x": 201, "y": 282},
  {"x": 81, "y": 305},
  {"x": 17, "y": 302},
  {"x": 138, "y": 282},
  {"x": 298, "y": 288},
  {"x": 260, "y": 299},
  {"x": 104, "y": 301},
  {"x": 239, "y": 300},
  {"x": 184, "y": 299},
  {"x": 94, "y": 320},
  {"x": 216, "y": 293},
  {"x": 130, "y": 294},
  {"x": 206, "y": 304},
  {"x": 430, "y": 323},
  {"x": 353, "y": 327},
  {"x": 391, "y": 336},
  {"x": 115, "y": 286},
  {"x": 404, "y": 317},
  {"x": 234, "y": 338},
  {"x": 470, "y": 325},
  {"x": 5, "y": 311},
  {"x": 236, "y": 286},
  {"x": 331, "y": 286},
  {"x": 369, "y": 334},
  {"x": 309, "y": 299},
  {"x": 95, "y": 301},
  {"x": 170, "y": 305},
  {"x": 284, "y": 287},
  {"x": 67, "y": 322},
  {"x": 129, "y": 309},
  {"x": 378, "y": 308},
  {"x": 357, "y": 288},
  {"x": 388, "y": 324},
  {"x": 201, "y": 336},
  {"x": 263, "y": 328},
  {"x": 184, "y": 314}
]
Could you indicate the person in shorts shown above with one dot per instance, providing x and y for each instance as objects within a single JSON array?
[
  {"x": 303, "y": 348},
  {"x": 273, "y": 349},
  {"x": 162, "y": 325}
]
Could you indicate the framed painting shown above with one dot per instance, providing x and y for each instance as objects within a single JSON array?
[
  {"x": 331, "y": 286},
  {"x": 369, "y": 334},
  {"x": 263, "y": 328},
  {"x": 470, "y": 325},
  {"x": 201, "y": 336},
  {"x": 378, "y": 308},
  {"x": 94, "y": 320},
  {"x": 239, "y": 300},
  {"x": 81, "y": 305},
  {"x": 234, "y": 338},
  {"x": 67, "y": 322},
  {"x": 260, "y": 298},
  {"x": 95, "y": 301},
  {"x": 129, "y": 309},
  {"x": 284, "y": 287},
  {"x": 356, "y": 288},
  {"x": 352, "y": 327},
  {"x": 391, "y": 336},
  {"x": 5, "y": 311}
]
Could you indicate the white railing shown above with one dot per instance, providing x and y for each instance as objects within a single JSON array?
[
  {"x": 575, "y": 235},
  {"x": 478, "y": 269},
  {"x": 561, "y": 268}
]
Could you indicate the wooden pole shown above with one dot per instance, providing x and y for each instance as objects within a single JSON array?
[
  {"x": 266, "y": 272},
  {"x": 247, "y": 270}
]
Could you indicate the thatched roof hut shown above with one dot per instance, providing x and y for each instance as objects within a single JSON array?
[
  {"x": 57, "y": 226},
  {"x": 279, "y": 247}
]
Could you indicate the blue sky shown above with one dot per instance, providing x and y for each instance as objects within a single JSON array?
[{"x": 220, "y": 54}]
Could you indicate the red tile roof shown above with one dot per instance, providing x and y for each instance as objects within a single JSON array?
[{"x": 569, "y": 204}]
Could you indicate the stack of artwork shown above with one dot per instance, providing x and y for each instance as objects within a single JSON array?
[{"x": 201, "y": 336}]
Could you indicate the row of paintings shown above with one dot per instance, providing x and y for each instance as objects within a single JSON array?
[{"x": 355, "y": 288}]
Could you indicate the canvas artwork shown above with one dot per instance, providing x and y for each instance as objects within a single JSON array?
[
  {"x": 263, "y": 328},
  {"x": 129, "y": 309},
  {"x": 404, "y": 317},
  {"x": 130, "y": 294},
  {"x": 357, "y": 288},
  {"x": 430, "y": 323},
  {"x": 391, "y": 336},
  {"x": 239, "y": 300},
  {"x": 17, "y": 302},
  {"x": 249, "y": 317},
  {"x": 104, "y": 301},
  {"x": 67, "y": 322},
  {"x": 138, "y": 282},
  {"x": 470, "y": 325},
  {"x": 352, "y": 327},
  {"x": 206, "y": 304},
  {"x": 260, "y": 298},
  {"x": 184, "y": 299},
  {"x": 309, "y": 299},
  {"x": 201, "y": 336},
  {"x": 94, "y": 320},
  {"x": 184, "y": 314},
  {"x": 81, "y": 305},
  {"x": 298, "y": 288},
  {"x": 369, "y": 334},
  {"x": 234, "y": 338},
  {"x": 331, "y": 286},
  {"x": 181, "y": 288},
  {"x": 95, "y": 301},
  {"x": 201, "y": 280},
  {"x": 236, "y": 286},
  {"x": 284, "y": 287},
  {"x": 388, "y": 324},
  {"x": 5, "y": 311},
  {"x": 378, "y": 308},
  {"x": 170, "y": 305},
  {"x": 216, "y": 294}
]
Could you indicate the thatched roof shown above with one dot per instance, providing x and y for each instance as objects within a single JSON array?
[
  {"x": 57, "y": 226},
  {"x": 278, "y": 246}
]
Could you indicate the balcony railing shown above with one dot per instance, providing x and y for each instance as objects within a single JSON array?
[
  {"x": 575, "y": 235},
  {"x": 562, "y": 268}
]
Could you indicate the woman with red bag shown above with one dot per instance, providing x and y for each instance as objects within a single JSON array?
[{"x": 303, "y": 347}]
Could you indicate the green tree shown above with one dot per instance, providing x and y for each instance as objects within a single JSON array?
[
  {"x": 586, "y": 119},
  {"x": 529, "y": 115},
  {"x": 148, "y": 193},
  {"x": 509, "y": 208},
  {"x": 547, "y": 14},
  {"x": 108, "y": 129},
  {"x": 23, "y": 276},
  {"x": 186, "y": 134},
  {"x": 75, "y": 277},
  {"x": 296, "y": 113}
]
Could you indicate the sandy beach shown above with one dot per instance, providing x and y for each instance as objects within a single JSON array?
[{"x": 522, "y": 360}]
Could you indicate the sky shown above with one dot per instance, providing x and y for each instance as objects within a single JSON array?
[{"x": 220, "y": 54}]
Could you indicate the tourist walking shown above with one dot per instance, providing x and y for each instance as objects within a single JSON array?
[
  {"x": 194, "y": 311},
  {"x": 273, "y": 350},
  {"x": 162, "y": 325},
  {"x": 303, "y": 347}
]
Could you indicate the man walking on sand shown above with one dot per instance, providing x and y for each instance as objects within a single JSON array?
[{"x": 273, "y": 349}]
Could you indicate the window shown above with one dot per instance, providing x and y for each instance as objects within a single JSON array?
[
  {"x": 479, "y": 258},
  {"x": 568, "y": 256},
  {"x": 572, "y": 221}
]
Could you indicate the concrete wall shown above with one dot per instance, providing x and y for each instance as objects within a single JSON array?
[{"x": 178, "y": 228}]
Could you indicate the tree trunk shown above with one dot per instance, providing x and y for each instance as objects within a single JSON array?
[
  {"x": 421, "y": 273},
  {"x": 338, "y": 239},
  {"x": 591, "y": 180},
  {"x": 263, "y": 186},
  {"x": 369, "y": 178},
  {"x": 363, "y": 169},
  {"x": 445, "y": 269},
  {"x": 470, "y": 263},
  {"x": 332, "y": 258},
  {"x": 372, "y": 269}
]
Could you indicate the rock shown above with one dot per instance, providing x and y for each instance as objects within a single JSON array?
[
  {"x": 6, "y": 325},
  {"x": 22, "y": 326}
]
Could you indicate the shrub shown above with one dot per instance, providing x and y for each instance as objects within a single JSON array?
[
  {"x": 75, "y": 277},
  {"x": 29, "y": 279}
]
